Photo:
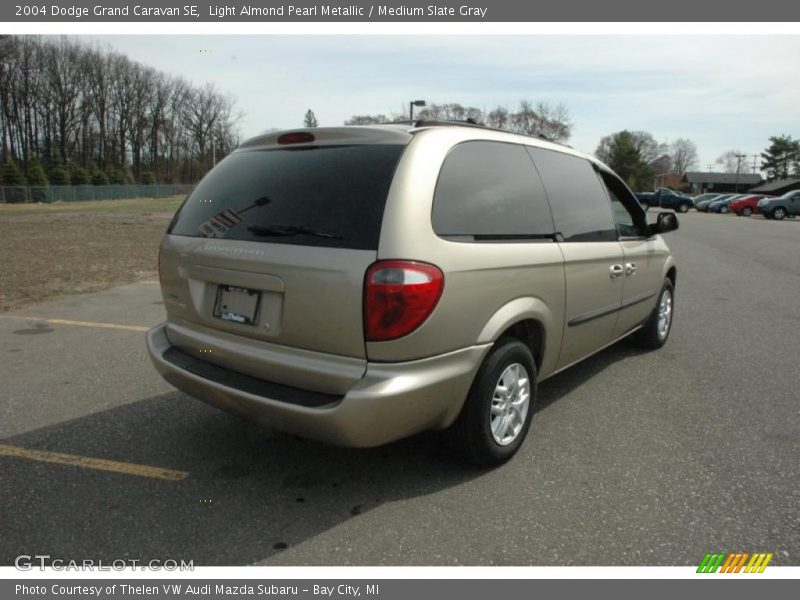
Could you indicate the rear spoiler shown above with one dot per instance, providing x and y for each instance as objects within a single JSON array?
[{"x": 329, "y": 136}]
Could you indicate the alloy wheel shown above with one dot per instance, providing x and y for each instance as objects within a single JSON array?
[
  {"x": 510, "y": 404},
  {"x": 664, "y": 314}
]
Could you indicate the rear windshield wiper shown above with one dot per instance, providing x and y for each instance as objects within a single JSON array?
[{"x": 287, "y": 230}]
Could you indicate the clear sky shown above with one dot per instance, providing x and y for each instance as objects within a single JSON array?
[{"x": 722, "y": 91}]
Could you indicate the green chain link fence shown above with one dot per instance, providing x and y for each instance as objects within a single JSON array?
[{"x": 80, "y": 193}]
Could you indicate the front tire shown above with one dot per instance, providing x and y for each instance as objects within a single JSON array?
[
  {"x": 779, "y": 213},
  {"x": 655, "y": 331},
  {"x": 497, "y": 412},
  {"x": 723, "y": 209},
  {"x": 683, "y": 208},
  {"x": 747, "y": 211}
]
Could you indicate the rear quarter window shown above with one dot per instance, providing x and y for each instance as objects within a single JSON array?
[
  {"x": 490, "y": 190},
  {"x": 316, "y": 196}
]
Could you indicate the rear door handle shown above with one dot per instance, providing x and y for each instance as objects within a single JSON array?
[
  {"x": 615, "y": 271},
  {"x": 630, "y": 268}
]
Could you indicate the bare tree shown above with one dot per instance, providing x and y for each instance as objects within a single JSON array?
[
  {"x": 730, "y": 161},
  {"x": 499, "y": 118},
  {"x": 540, "y": 119},
  {"x": 64, "y": 84},
  {"x": 367, "y": 120},
  {"x": 64, "y": 101},
  {"x": 683, "y": 153},
  {"x": 451, "y": 111}
]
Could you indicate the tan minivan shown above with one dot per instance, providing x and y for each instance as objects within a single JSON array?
[{"x": 357, "y": 285}]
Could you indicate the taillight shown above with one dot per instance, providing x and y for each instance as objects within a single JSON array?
[{"x": 398, "y": 296}]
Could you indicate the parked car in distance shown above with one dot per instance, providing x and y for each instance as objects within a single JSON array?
[
  {"x": 706, "y": 196},
  {"x": 746, "y": 206},
  {"x": 357, "y": 285},
  {"x": 665, "y": 198},
  {"x": 703, "y": 205},
  {"x": 781, "y": 207},
  {"x": 721, "y": 205}
]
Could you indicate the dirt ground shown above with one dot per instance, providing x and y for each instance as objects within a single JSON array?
[{"x": 50, "y": 250}]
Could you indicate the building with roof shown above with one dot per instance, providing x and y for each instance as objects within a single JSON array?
[
  {"x": 778, "y": 187},
  {"x": 672, "y": 181},
  {"x": 698, "y": 182}
]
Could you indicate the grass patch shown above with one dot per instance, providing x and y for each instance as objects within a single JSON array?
[
  {"x": 51, "y": 250},
  {"x": 132, "y": 205}
]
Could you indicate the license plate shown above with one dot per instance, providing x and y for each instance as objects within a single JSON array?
[{"x": 237, "y": 304}]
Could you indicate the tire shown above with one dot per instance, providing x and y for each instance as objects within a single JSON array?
[
  {"x": 779, "y": 213},
  {"x": 683, "y": 208},
  {"x": 723, "y": 209},
  {"x": 654, "y": 334},
  {"x": 477, "y": 432},
  {"x": 747, "y": 211}
]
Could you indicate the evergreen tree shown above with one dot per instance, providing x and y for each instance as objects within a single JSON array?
[
  {"x": 37, "y": 179},
  {"x": 621, "y": 151},
  {"x": 36, "y": 174},
  {"x": 781, "y": 158},
  {"x": 125, "y": 176},
  {"x": 78, "y": 175},
  {"x": 58, "y": 174},
  {"x": 310, "y": 119},
  {"x": 12, "y": 175},
  {"x": 147, "y": 178},
  {"x": 98, "y": 177}
]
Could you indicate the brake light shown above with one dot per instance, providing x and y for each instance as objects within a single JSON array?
[
  {"x": 298, "y": 137},
  {"x": 398, "y": 296}
]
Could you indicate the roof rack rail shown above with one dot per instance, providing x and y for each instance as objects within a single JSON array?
[
  {"x": 467, "y": 123},
  {"x": 461, "y": 122},
  {"x": 474, "y": 123}
]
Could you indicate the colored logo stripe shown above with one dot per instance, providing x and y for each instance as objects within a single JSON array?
[
  {"x": 758, "y": 563},
  {"x": 733, "y": 562},
  {"x": 711, "y": 562}
]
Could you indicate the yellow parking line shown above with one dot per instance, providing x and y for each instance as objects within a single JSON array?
[
  {"x": 78, "y": 323},
  {"x": 98, "y": 464}
]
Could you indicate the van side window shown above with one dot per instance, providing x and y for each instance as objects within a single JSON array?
[
  {"x": 490, "y": 190},
  {"x": 581, "y": 209},
  {"x": 628, "y": 213}
]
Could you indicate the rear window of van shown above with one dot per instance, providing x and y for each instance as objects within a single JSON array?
[{"x": 330, "y": 196}]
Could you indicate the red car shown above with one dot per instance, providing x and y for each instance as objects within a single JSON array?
[{"x": 746, "y": 206}]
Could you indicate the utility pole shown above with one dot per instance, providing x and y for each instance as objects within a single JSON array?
[
  {"x": 755, "y": 158},
  {"x": 739, "y": 158}
]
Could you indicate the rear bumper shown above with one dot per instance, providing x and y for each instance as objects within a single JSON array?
[{"x": 391, "y": 400}]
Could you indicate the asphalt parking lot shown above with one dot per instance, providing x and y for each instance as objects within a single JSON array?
[{"x": 634, "y": 459}]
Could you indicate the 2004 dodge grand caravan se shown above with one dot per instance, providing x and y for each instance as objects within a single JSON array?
[{"x": 360, "y": 284}]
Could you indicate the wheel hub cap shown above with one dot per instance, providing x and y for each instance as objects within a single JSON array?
[
  {"x": 664, "y": 314},
  {"x": 510, "y": 404}
]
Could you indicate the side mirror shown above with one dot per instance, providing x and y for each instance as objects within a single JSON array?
[{"x": 665, "y": 222}]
